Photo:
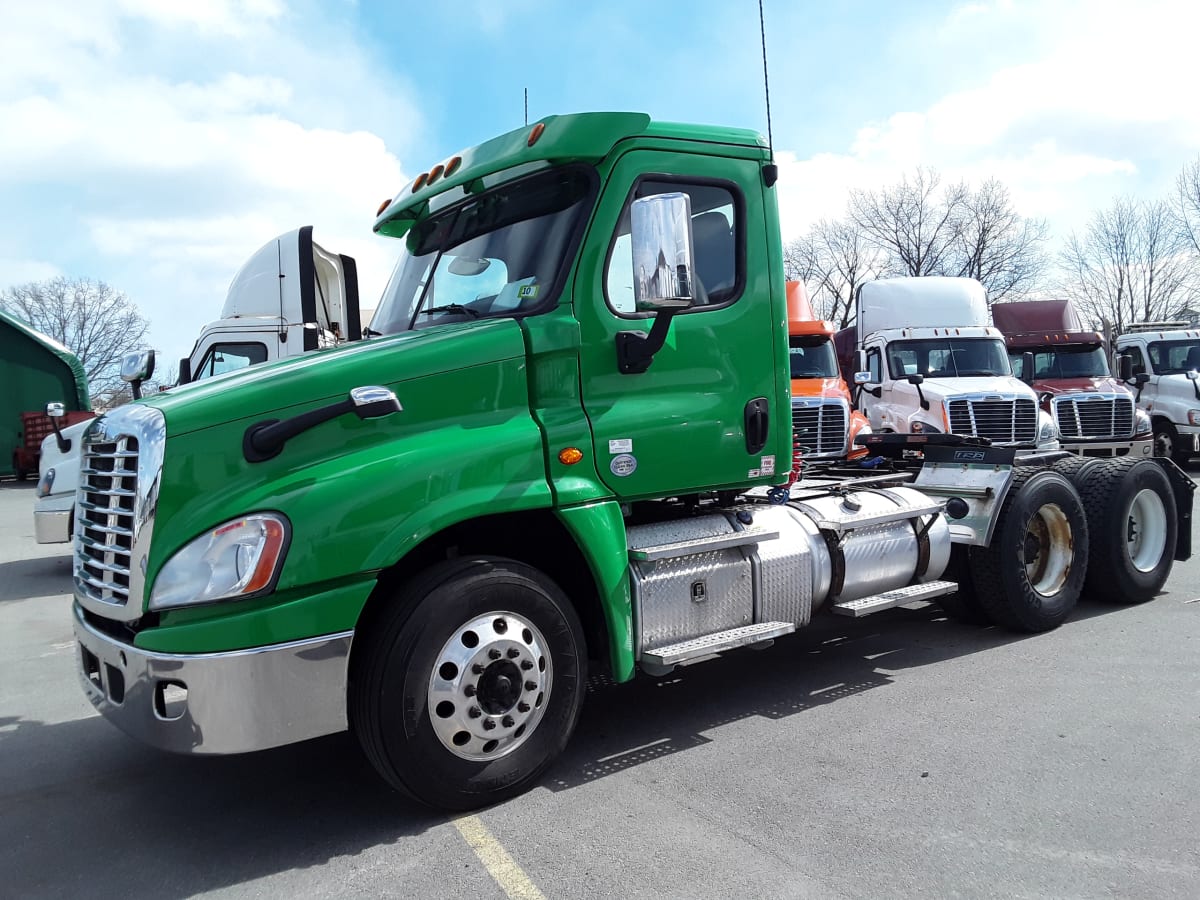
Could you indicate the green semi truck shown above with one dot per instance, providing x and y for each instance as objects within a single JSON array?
[{"x": 565, "y": 448}]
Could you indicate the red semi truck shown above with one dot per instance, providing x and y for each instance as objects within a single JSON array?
[{"x": 1095, "y": 413}]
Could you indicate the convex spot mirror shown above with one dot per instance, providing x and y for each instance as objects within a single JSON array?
[
  {"x": 55, "y": 410},
  {"x": 862, "y": 377},
  {"x": 1191, "y": 375},
  {"x": 663, "y": 265}
]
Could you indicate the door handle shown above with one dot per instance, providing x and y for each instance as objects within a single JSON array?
[{"x": 757, "y": 424}]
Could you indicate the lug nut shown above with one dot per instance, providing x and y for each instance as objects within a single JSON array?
[
  {"x": 523, "y": 707},
  {"x": 469, "y": 690},
  {"x": 488, "y": 724},
  {"x": 477, "y": 668},
  {"x": 526, "y": 664},
  {"x": 494, "y": 654},
  {"x": 474, "y": 712},
  {"x": 507, "y": 722},
  {"x": 513, "y": 652},
  {"x": 531, "y": 685}
]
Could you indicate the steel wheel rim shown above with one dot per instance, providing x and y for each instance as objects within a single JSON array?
[
  {"x": 1146, "y": 530},
  {"x": 1163, "y": 443},
  {"x": 1048, "y": 549},
  {"x": 489, "y": 686}
]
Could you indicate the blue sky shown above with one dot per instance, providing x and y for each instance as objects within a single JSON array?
[{"x": 156, "y": 144}]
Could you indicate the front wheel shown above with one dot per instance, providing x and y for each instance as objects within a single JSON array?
[
  {"x": 470, "y": 683},
  {"x": 1167, "y": 443}
]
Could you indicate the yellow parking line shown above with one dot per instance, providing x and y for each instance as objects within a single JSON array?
[{"x": 502, "y": 867}]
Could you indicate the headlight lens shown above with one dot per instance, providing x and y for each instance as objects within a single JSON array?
[
  {"x": 46, "y": 483},
  {"x": 237, "y": 559},
  {"x": 1047, "y": 430},
  {"x": 1193, "y": 416},
  {"x": 1143, "y": 425}
]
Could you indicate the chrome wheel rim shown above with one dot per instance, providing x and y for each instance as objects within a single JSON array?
[
  {"x": 489, "y": 686},
  {"x": 1048, "y": 549},
  {"x": 1146, "y": 530}
]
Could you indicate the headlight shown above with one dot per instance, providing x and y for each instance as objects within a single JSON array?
[
  {"x": 1047, "y": 430},
  {"x": 924, "y": 428},
  {"x": 1143, "y": 425},
  {"x": 1193, "y": 416},
  {"x": 46, "y": 483},
  {"x": 235, "y": 560}
]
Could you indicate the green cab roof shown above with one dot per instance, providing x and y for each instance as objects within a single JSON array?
[
  {"x": 575, "y": 137},
  {"x": 56, "y": 349}
]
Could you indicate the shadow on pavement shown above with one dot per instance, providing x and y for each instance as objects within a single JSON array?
[{"x": 41, "y": 576}]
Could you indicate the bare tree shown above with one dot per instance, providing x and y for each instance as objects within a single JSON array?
[
  {"x": 914, "y": 222},
  {"x": 833, "y": 259},
  {"x": 1187, "y": 204},
  {"x": 997, "y": 246},
  {"x": 97, "y": 322},
  {"x": 1131, "y": 265}
]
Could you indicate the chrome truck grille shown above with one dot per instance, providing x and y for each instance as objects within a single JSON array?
[
  {"x": 1002, "y": 421},
  {"x": 819, "y": 427},
  {"x": 1094, "y": 416},
  {"x": 120, "y": 465}
]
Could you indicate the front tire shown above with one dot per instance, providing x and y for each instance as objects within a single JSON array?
[
  {"x": 1030, "y": 577},
  {"x": 469, "y": 684},
  {"x": 1166, "y": 443}
]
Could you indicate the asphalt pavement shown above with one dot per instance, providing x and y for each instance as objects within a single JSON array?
[{"x": 900, "y": 755}]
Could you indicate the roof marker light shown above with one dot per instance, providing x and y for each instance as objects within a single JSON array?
[
  {"x": 387, "y": 201},
  {"x": 435, "y": 172},
  {"x": 536, "y": 133},
  {"x": 420, "y": 181},
  {"x": 452, "y": 165}
]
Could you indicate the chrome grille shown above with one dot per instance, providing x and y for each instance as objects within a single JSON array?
[
  {"x": 104, "y": 520},
  {"x": 1094, "y": 416},
  {"x": 1001, "y": 421},
  {"x": 819, "y": 428}
]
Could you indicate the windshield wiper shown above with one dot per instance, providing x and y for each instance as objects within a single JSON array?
[{"x": 451, "y": 307}]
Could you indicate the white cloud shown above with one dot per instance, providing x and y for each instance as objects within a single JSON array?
[
  {"x": 163, "y": 176},
  {"x": 23, "y": 271},
  {"x": 1091, "y": 89}
]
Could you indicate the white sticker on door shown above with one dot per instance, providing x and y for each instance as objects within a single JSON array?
[{"x": 624, "y": 445}]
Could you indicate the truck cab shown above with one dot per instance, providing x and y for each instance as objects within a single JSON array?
[
  {"x": 291, "y": 297},
  {"x": 1165, "y": 365},
  {"x": 926, "y": 362},
  {"x": 824, "y": 422},
  {"x": 1095, "y": 413}
]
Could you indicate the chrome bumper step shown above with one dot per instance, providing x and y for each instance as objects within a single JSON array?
[
  {"x": 711, "y": 644},
  {"x": 879, "y": 602}
]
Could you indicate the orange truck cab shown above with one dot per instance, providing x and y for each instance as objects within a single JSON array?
[{"x": 824, "y": 423}]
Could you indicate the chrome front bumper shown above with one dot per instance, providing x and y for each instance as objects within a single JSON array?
[
  {"x": 52, "y": 519},
  {"x": 1136, "y": 449},
  {"x": 232, "y": 702}
]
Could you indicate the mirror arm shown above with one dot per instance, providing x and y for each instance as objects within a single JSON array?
[
  {"x": 1196, "y": 388},
  {"x": 636, "y": 349}
]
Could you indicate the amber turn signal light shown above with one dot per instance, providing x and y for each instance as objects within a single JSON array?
[{"x": 570, "y": 456}]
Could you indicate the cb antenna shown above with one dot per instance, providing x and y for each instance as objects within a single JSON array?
[
  {"x": 770, "y": 170},
  {"x": 526, "y": 106}
]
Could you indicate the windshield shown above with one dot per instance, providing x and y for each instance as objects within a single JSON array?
[
  {"x": 948, "y": 357},
  {"x": 502, "y": 253},
  {"x": 1174, "y": 357},
  {"x": 812, "y": 357},
  {"x": 1064, "y": 362}
]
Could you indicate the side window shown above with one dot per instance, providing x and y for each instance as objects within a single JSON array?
[
  {"x": 222, "y": 358},
  {"x": 716, "y": 237},
  {"x": 1139, "y": 361},
  {"x": 874, "y": 366}
]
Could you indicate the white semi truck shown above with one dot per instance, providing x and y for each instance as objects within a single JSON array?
[
  {"x": 292, "y": 296},
  {"x": 1166, "y": 366},
  {"x": 925, "y": 361}
]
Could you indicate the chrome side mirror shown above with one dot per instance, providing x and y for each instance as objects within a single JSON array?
[{"x": 55, "y": 410}]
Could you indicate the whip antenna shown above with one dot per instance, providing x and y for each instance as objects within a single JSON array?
[
  {"x": 770, "y": 170},
  {"x": 526, "y": 106}
]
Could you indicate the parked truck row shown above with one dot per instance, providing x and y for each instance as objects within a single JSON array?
[{"x": 567, "y": 448}]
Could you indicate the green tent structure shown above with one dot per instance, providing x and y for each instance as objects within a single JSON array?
[{"x": 34, "y": 370}]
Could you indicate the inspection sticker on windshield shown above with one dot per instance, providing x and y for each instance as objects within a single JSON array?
[
  {"x": 527, "y": 292},
  {"x": 623, "y": 465},
  {"x": 623, "y": 445},
  {"x": 767, "y": 465}
]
